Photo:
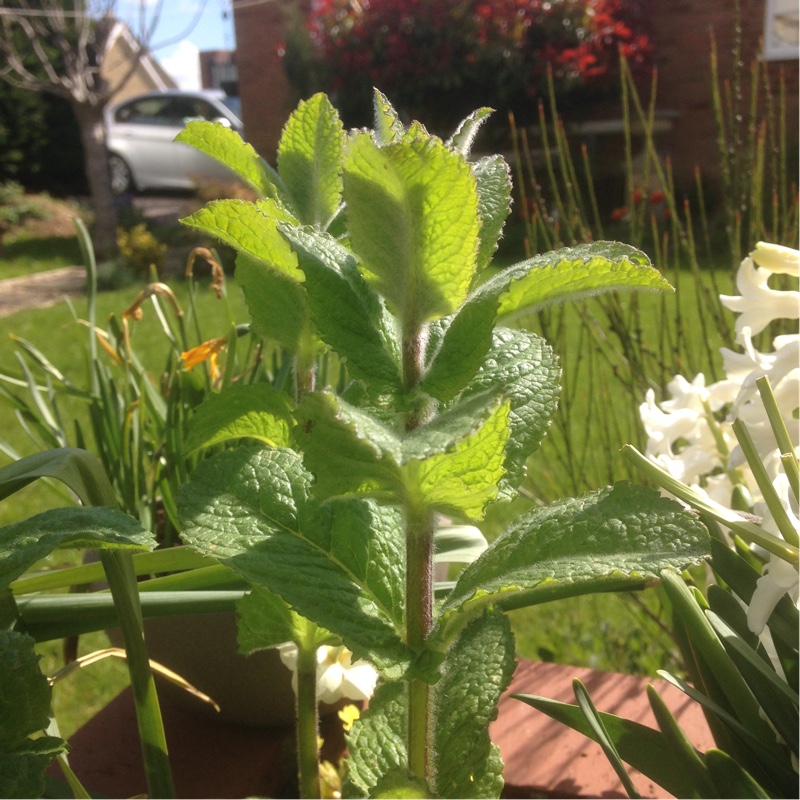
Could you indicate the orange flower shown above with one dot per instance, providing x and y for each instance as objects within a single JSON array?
[{"x": 207, "y": 351}]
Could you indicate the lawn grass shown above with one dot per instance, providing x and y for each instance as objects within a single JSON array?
[{"x": 28, "y": 255}]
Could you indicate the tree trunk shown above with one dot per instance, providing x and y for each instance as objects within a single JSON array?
[{"x": 103, "y": 201}]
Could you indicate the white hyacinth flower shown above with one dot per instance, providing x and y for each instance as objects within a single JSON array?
[
  {"x": 779, "y": 577},
  {"x": 337, "y": 675},
  {"x": 777, "y": 258},
  {"x": 757, "y": 304}
]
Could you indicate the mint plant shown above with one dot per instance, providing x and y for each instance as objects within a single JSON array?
[{"x": 375, "y": 247}]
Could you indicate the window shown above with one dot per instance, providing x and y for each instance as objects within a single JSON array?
[{"x": 781, "y": 23}]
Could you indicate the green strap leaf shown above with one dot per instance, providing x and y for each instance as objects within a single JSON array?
[
  {"x": 571, "y": 274},
  {"x": 414, "y": 223},
  {"x": 310, "y": 160},
  {"x": 476, "y": 671},
  {"x": 242, "y": 411},
  {"x": 277, "y": 303},
  {"x": 23, "y": 543},
  {"x": 525, "y": 368},
  {"x": 685, "y": 757},
  {"x": 614, "y": 539},
  {"x": 227, "y": 147},
  {"x": 252, "y": 509},
  {"x": 723, "y": 682},
  {"x": 250, "y": 228},
  {"x": 493, "y": 177},
  {"x": 639, "y": 745},
  {"x": 78, "y": 469},
  {"x": 601, "y": 736},
  {"x": 778, "y": 700},
  {"x": 346, "y": 311},
  {"x": 731, "y": 779}
]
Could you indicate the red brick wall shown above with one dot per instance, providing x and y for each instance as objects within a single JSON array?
[
  {"x": 267, "y": 99},
  {"x": 680, "y": 30}
]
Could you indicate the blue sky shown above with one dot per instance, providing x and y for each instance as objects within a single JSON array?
[{"x": 176, "y": 48}]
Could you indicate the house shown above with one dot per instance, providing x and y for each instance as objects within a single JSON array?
[
  {"x": 680, "y": 31},
  {"x": 218, "y": 71},
  {"x": 148, "y": 74}
]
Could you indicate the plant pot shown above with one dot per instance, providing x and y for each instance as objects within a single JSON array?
[{"x": 201, "y": 648}]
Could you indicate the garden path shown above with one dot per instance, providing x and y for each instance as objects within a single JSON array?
[{"x": 41, "y": 289}]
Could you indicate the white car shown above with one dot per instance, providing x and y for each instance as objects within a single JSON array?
[{"x": 140, "y": 134}]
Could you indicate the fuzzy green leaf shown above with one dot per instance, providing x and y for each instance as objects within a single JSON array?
[
  {"x": 340, "y": 564},
  {"x": 277, "y": 303},
  {"x": 464, "y": 479},
  {"x": 414, "y": 223},
  {"x": 25, "y": 697},
  {"x": 250, "y": 228},
  {"x": 23, "y": 543},
  {"x": 242, "y": 411},
  {"x": 571, "y": 274},
  {"x": 524, "y": 367},
  {"x": 347, "y": 313},
  {"x": 462, "y": 348},
  {"x": 476, "y": 671},
  {"x": 227, "y": 147},
  {"x": 263, "y": 620},
  {"x": 493, "y": 176},
  {"x": 453, "y": 464},
  {"x": 619, "y": 538},
  {"x": 310, "y": 160},
  {"x": 24, "y": 690},
  {"x": 387, "y": 125},
  {"x": 347, "y": 449},
  {"x": 22, "y": 772},
  {"x": 462, "y": 140},
  {"x": 377, "y": 742}
]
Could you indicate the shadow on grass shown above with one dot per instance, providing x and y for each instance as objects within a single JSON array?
[{"x": 24, "y": 256}]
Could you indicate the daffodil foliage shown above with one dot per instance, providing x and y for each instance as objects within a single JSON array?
[{"x": 377, "y": 245}]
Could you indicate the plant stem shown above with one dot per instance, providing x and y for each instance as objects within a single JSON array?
[
  {"x": 122, "y": 582},
  {"x": 419, "y": 569},
  {"x": 419, "y": 614},
  {"x": 307, "y": 722}
]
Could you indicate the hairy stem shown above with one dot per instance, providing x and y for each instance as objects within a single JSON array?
[
  {"x": 419, "y": 568},
  {"x": 419, "y": 614}
]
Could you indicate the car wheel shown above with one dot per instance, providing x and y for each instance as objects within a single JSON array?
[{"x": 121, "y": 178}]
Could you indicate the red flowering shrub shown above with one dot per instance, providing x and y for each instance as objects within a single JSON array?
[{"x": 439, "y": 59}]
